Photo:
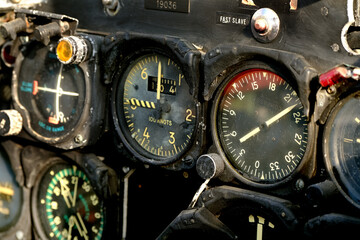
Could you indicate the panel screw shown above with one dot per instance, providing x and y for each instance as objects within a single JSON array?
[
  {"x": 299, "y": 185},
  {"x": 19, "y": 235},
  {"x": 78, "y": 139}
]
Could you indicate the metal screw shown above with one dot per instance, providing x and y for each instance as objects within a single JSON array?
[
  {"x": 335, "y": 47},
  {"x": 324, "y": 11},
  {"x": 283, "y": 214},
  {"x": 19, "y": 235},
  {"x": 78, "y": 139},
  {"x": 299, "y": 184}
]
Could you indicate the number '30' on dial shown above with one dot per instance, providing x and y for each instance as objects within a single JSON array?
[{"x": 261, "y": 125}]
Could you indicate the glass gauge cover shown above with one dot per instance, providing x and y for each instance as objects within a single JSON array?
[
  {"x": 65, "y": 205},
  {"x": 10, "y": 194},
  {"x": 155, "y": 109},
  {"x": 342, "y": 147},
  {"x": 51, "y": 95},
  {"x": 261, "y": 126}
]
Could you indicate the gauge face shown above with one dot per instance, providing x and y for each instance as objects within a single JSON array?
[
  {"x": 342, "y": 147},
  {"x": 10, "y": 194},
  {"x": 53, "y": 94},
  {"x": 261, "y": 126},
  {"x": 67, "y": 206},
  {"x": 156, "y": 110}
]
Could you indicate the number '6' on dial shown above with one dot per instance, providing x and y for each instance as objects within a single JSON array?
[
  {"x": 155, "y": 108},
  {"x": 261, "y": 126}
]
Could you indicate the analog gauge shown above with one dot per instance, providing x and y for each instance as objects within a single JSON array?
[
  {"x": 342, "y": 147},
  {"x": 65, "y": 205},
  {"x": 261, "y": 126},
  {"x": 52, "y": 94},
  {"x": 155, "y": 109},
  {"x": 10, "y": 194}
]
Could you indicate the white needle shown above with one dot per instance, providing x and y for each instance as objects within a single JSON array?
[
  {"x": 158, "y": 88},
  {"x": 268, "y": 123},
  {"x": 61, "y": 92},
  {"x": 57, "y": 104},
  {"x": 279, "y": 115},
  {"x": 75, "y": 191},
  {"x": 250, "y": 134}
]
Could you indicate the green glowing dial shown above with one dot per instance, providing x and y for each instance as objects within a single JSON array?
[{"x": 67, "y": 205}]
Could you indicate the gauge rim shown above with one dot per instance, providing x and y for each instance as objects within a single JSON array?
[
  {"x": 288, "y": 78},
  {"x": 123, "y": 68},
  {"x": 326, "y": 145},
  {"x": 25, "y": 113}
]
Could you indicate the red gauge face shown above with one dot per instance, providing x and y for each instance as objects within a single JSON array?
[{"x": 261, "y": 126}]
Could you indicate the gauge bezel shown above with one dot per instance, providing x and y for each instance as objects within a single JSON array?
[
  {"x": 122, "y": 131},
  {"x": 52, "y": 161},
  {"x": 329, "y": 163},
  {"x": 288, "y": 78},
  {"x": 87, "y": 127}
]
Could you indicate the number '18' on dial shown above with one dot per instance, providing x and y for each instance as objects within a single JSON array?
[{"x": 261, "y": 126}]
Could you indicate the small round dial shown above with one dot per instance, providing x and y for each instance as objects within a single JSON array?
[
  {"x": 342, "y": 147},
  {"x": 155, "y": 108},
  {"x": 261, "y": 125},
  {"x": 65, "y": 205},
  {"x": 10, "y": 194},
  {"x": 53, "y": 94}
]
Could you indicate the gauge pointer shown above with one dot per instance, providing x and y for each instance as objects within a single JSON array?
[
  {"x": 57, "y": 104},
  {"x": 71, "y": 225},
  {"x": 250, "y": 134},
  {"x": 158, "y": 88},
  {"x": 6, "y": 191},
  {"x": 279, "y": 115},
  {"x": 267, "y": 123}
]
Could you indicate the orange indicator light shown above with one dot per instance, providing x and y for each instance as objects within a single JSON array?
[{"x": 64, "y": 51}]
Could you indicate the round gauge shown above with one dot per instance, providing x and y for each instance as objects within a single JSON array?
[
  {"x": 51, "y": 95},
  {"x": 155, "y": 109},
  {"x": 261, "y": 126},
  {"x": 10, "y": 194},
  {"x": 342, "y": 147},
  {"x": 65, "y": 205}
]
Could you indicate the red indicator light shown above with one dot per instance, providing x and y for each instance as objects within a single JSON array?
[
  {"x": 35, "y": 87},
  {"x": 53, "y": 120}
]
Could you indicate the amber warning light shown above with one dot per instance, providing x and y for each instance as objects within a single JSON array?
[{"x": 72, "y": 50}]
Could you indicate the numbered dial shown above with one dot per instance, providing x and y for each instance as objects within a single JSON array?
[
  {"x": 67, "y": 206},
  {"x": 342, "y": 147},
  {"x": 53, "y": 94},
  {"x": 10, "y": 194},
  {"x": 155, "y": 108},
  {"x": 261, "y": 126}
]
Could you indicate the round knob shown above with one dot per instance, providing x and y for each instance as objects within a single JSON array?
[
  {"x": 72, "y": 49},
  {"x": 10, "y": 122},
  {"x": 261, "y": 25},
  {"x": 265, "y": 25},
  {"x": 209, "y": 165}
]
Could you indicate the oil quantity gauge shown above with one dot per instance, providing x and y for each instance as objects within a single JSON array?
[
  {"x": 65, "y": 205},
  {"x": 154, "y": 108},
  {"x": 342, "y": 147},
  {"x": 261, "y": 126}
]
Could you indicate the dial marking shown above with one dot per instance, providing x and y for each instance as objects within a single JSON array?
[{"x": 357, "y": 120}]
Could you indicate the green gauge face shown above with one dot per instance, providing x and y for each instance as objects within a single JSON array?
[
  {"x": 67, "y": 206},
  {"x": 342, "y": 147},
  {"x": 261, "y": 126},
  {"x": 10, "y": 194},
  {"x": 155, "y": 108}
]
